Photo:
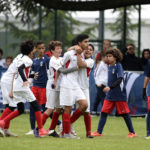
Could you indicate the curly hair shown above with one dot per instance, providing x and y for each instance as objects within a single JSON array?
[
  {"x": 26, "y": 47},
  {"x": 116, "y": 53},
  {"x": 53, "y": 44}
]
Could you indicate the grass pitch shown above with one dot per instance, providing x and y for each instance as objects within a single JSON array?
[{"x": 115, "y": 136}]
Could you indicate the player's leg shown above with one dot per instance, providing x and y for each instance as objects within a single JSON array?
[
  {"x": 106, "y": 109},
  {"x": 123, "y": 110},
  {"x": 80, "y": 98}
]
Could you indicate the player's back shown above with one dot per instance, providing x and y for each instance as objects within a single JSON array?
[{"x": 8, "y": 75}]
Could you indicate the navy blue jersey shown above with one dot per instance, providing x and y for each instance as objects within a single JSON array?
[
  {"x": 41, "y": 66},
  {"x": 147, "y": 69},
  {"x": 118, "y": 93}
]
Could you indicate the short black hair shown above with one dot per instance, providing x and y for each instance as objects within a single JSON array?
[
  {"x": 92, "y": 46},
  {"x": 1, "y": 51},
  {"x": 74, "y": 42},
  {"x": 81, "y": 37},
  {"x": 39, "y": 43},
  {"x": 26, "y": 47}
]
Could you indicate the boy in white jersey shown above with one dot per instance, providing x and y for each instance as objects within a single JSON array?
[
  {"x": 85, "y": 63},
  {"x": 7, "y": 93},
  {"x": 70, "y": 90},
  {"x": 53, "y": 94},
  {"x": 21, "y": 88}
]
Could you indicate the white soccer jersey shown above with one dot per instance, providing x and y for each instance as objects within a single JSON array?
[
  {"x": 101, "y": 74},
  {"x": 84, "y": 73},
  {"x": 70, "y": 80},
  {"x": 54, "y": 65},
  {"x": 18, "y": 82},
  {"x": 8, "y": 75}
]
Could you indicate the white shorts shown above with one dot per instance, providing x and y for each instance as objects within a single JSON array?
[
  {"x": 87, "y": 95},
  {"x": 21, "y": 96},
  {"x": 68, "y": 97},
  {"x": 52, "y": 99},
  {"x": 6, "y": 88}
]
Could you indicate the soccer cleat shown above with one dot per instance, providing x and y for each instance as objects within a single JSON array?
[
  {"x": 59, "y": 128},
  {"x": 36, "y": 132},
  {"x": 8, "y": 133},
  {"x": 90, "y": 136},
  {"x": 31, "y": 132},
  {"x": 2, "y": 124},
  {"x": 43, "y": 132},
  {"x": 147, "y": 137},
  {"x": 53, "y": 133},
  {"x": 2, "y": 134},
  {"x": 95, "y": 133},
  {"x": 73, "y": 132},
  {"x": 132, "y": 135},
  {"x": 70, "y": 136}
]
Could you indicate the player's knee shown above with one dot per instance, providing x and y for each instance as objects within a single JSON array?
[
  {"x": 84, "y": 105},
  {"x": 11, "y": 108},
  {"x": 20, "y": 107},
  {"x": 35, "y": 105}
]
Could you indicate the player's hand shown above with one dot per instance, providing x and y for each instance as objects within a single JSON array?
[
  {"x": 106, "y": 89},
  {"x": 144, "y": 94},
  {"x": 26, "y": 83},
  {"x": 100, "y": 85},
  {"x": 36, "y": 75},
  {"x": 11, "y": 94},
  {"x": 78, "y": 49}
]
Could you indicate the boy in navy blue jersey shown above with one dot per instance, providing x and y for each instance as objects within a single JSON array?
[
  {"x": 116, "y": 94},
  {"x": 40, "y": 66},
  {"x": 146, "y": 81}
]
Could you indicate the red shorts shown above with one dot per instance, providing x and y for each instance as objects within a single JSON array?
[
  {"x": 121, "y": 107},
  {"x": 148, "y": 102},
  {"x": 40, "y": 94}
]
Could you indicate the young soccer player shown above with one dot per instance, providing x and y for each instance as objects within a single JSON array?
[
  {"x": 146, "y": 81},
  {"x": 7, "y": 93},
  {"x": 85, "y": 62},
  {"x": 21, "y": 88},
  {"x": 70, "y": 90},
  {"x": 52, "y": 93},
  {"x": 116, "y": 94},
  {"x": 101, "y": 79}
]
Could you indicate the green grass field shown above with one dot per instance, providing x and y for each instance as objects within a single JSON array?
[{"x": 115, "y": 137}]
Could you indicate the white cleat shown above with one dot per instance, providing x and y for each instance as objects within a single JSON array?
[
  {"x": 31, "y": 132},
  {"x": 59, "y": 128},
  {"x": 73, "y": 131},
  {"x": 70, "y": 136},
  {"x": 2, "y": 134},
  {"x": 8, "y": 133}
]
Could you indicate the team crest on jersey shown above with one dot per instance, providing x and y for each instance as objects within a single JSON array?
[
  {"x": 113, "y": 70},
  {"x": 41, "y": 63}
]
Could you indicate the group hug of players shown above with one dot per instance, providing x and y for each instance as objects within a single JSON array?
[{"x": 59, "y": 84}]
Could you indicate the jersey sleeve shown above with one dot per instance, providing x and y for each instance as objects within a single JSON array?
[
  {"x": 65, "y": 59},
  {"x": 90, "y": 63},
  {"x": 147, "y": 69},
  {"x": 27, "y": 62},
  {"x": 119, "y": 71},
  {"x": 54, "y": 64}
]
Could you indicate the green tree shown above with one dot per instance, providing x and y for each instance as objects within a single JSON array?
[{"x": 117, "y": 26}]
